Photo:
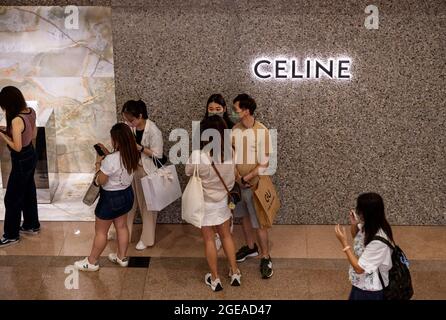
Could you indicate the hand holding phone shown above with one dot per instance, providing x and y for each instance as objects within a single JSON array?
[
  {"x": 353, "y": 217},
  {"x": 99, "y": 150}
]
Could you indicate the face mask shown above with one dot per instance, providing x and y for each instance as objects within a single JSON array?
[
  {"x": 235, "y": 117},
  {"x": 214, "y": 113}
]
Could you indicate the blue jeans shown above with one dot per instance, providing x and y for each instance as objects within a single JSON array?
[
  {"x": 358, "y": 294},
  {"x": 21, "y": 193},
  {"x": 113, "y": 204}
]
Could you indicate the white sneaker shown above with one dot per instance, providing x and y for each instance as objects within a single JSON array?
[
  {"x": 111, "y": 235},
  {"x": 217, "y": 242},
  {"x": 113, "y": 257},
  {"x": 85, "y": 265},
  {"x": 140, "y": 245},
  {"x": 215, "y": 284},
  {"x": 236, "y": 278}
]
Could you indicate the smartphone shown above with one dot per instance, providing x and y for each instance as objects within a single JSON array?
[{"x": 99, "y": 150}]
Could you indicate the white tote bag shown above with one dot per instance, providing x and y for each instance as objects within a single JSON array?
[
  {"x": 161, "y": 188},
  {"x": 192, "y": 202}
]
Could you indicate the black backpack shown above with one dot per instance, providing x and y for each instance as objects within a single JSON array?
[{"x": 400, "y": 282}]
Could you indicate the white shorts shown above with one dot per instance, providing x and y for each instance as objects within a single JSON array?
[{"x": 216, "y": 213}]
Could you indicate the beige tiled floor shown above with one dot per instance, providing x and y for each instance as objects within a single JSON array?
[
  {"x": 173, "y": 240},
  {"x": 308, "y": 264},
  {"x": 34, "y": 277}
]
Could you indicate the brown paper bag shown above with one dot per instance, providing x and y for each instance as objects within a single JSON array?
[{"x": 266, "y": 202}]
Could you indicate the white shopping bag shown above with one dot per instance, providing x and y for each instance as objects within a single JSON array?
[
  {"x": 161, "y": 188},
  {"x": 192, "y": 202}
]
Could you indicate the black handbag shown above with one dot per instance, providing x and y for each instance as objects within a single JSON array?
[{"x": 235, "y": 195}]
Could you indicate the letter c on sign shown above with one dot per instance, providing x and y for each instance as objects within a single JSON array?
[{"x": 256, "y": 69}]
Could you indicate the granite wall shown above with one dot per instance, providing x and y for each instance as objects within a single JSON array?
[{"x": 382, "y": 130}]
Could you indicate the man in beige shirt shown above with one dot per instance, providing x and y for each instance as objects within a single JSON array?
[{"x": 251, "y": 143}]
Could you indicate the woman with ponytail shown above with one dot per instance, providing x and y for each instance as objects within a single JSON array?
[{"x": 114, "y": 173}]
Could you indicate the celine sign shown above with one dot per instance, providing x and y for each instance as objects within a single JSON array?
[{"x": 284, "y": 68}]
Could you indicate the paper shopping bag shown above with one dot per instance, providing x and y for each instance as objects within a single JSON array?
[
  {"x": 161, "y": 188},
  {"x": 266, "y": 202}
]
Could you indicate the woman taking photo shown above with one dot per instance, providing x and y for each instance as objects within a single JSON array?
[
  {"x": 114, "y": 175},
  {"x": 21, "y": 189},
  {"x": 149, "y": 143},
  {"x": 217, "y": 215},
  {"x": 369, "y": 259}
]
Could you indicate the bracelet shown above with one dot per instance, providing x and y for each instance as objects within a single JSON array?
[
  {"x": 142, "y": 149},
  {"x": 346, "y": 248}
]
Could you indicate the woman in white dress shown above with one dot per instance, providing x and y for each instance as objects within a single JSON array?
[{"x": 217, "y": 211}]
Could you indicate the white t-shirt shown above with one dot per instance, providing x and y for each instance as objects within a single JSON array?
[
  {"x": 376, "y": 255},
  {"x": 118, "y": 177}
]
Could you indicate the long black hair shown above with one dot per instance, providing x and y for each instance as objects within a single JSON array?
[
  {"x": 135, "y": 108},
  {"x": 371, "y": 207},
  {"x": 218, "y": 99},
  {"x": 12, "y": 102},
  {"x": 124, "y": 142},
  {"x": 217, "y": 123}
]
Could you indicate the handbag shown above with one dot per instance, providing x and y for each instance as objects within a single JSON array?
[
  {"x": 235, "y": 195},
  {"x": 159, "y": 162},
  {"x": 192, "y": 201},
  {"x": 92, "y": 192},
  {"x": 161, "y": 187},
  {"x": 266, "y": 202}
]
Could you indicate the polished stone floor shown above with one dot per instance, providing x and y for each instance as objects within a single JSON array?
[{"x": 308, "y": 264}]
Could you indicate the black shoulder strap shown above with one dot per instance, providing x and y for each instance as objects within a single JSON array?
[
  {"x": 381, "y": 279},
  {"x": 387, "y": 242},
  {"x": 391, "y": 246}
]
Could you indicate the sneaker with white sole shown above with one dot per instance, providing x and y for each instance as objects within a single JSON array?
[
  {"x": 140, "y": 245},
  {"x": 214, "y": 284},
  {"x": 266, "y": 267},
  {"x": 246, "y": 252},
  {"x": 8, "y": 242},
  {"x": 236, "y": 278},
  {"x": 85, "y": 265},
  {"x": 113, "y": 257},
  {"x": 217, "y": 242}
]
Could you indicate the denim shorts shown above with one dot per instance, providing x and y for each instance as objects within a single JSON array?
[
  {"x": 113, "y": 204},
  {"x": 246, "y": 207}
]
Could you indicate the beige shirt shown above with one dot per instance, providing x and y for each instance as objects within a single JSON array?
[
  {"x": 253, "y": 147},
  {"x": 213, "y": 189}
]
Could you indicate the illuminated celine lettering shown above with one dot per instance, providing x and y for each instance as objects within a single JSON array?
[{"x": 312, "y": 69}]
